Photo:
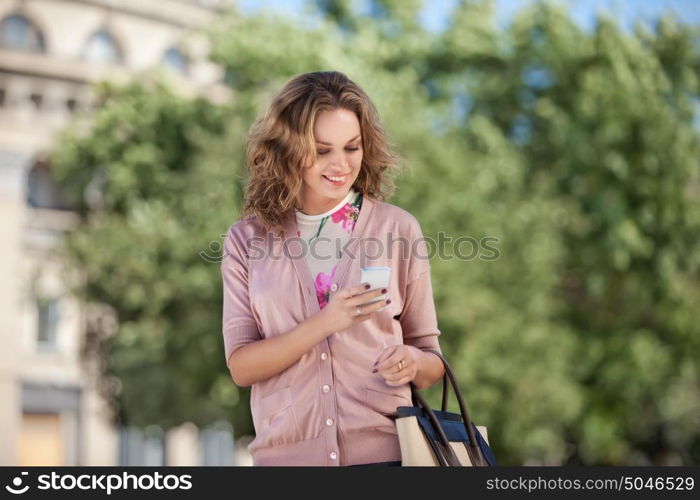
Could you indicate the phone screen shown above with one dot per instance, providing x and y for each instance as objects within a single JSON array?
[{"x": 377, "y": 277}]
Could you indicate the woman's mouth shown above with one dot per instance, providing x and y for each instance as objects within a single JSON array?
[{"x": 338, "y": 180}]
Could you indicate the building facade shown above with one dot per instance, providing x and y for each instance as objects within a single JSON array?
[{"x": 50, "y": 52}]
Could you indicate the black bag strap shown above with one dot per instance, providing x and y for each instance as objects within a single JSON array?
[
  {"x": 443, "y": 450},
  {"x": 474, "y": 451}
]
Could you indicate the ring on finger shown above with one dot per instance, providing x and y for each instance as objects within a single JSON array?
[
  {"x": 359, "y": 311},
  {"x": 402, "y": 365}
]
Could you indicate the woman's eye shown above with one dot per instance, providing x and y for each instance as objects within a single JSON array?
[{"x": 326, "y": 151}]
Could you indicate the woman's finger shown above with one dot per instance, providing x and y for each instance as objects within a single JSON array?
[
  {"x": 392, "y": 362},
  {"x": 363, "y": 298},
  {"x": 385, "y": 355},
  {"x": 394, "y": 370},
  {"x": 401, "y": 381},
  {"x": 356, "y": 290},
  {"x": 367, "y": 310}
]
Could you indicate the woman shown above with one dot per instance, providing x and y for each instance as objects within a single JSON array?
[{"x": 327, "y": 370}]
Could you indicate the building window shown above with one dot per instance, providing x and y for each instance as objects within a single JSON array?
[
  {"x": 36, "y": 99},
  {"x": 174, "y": 60},
  {"x": 41, "y": 440},
  {"x": 71, "y": 105},
  {"x": 141, "y": 446},
  {"x": 101, "y": 47},
  {"x": 17, "y": 32},
  {"x": 51, "y": 430},
  {"x": 47, "y": 324},
  {"x": 42, "y": 190}
]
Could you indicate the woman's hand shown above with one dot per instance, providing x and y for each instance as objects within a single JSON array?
[
  {"x": 398, "y": 364},
  {"x": 342, "y": 310}
]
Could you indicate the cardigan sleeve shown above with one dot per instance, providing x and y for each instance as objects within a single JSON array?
[
  {"x": 418, "y": 318},
  {"x": 239, "y": 325}
]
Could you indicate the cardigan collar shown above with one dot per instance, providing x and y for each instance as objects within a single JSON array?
[{"x": 302, "y": 268}]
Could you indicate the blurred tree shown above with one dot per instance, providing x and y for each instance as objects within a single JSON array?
[
  {"x": 573, "y": 326},
  {"x": 147, "y": 208},
  {"x": 606, "y": 121}
]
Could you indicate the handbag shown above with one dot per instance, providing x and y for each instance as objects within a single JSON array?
[{"x": 430, "y": 437}]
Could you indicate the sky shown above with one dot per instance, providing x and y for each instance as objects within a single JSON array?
[{"x": 436, "y": 13}]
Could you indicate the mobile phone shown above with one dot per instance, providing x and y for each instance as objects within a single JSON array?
[{"x": 377, "y": 277}]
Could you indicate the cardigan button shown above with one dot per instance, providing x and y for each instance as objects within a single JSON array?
[
  {"x": 334, "y": 287},
  {"x": 326, "y": 388},
  {"x": 333, "y": 455},
  {"x": 324, "y": 355}
]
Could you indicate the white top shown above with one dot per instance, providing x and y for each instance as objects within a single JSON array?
[{"x": 325, "y": 236}]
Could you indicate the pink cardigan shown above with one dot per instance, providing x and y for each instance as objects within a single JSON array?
[{"x": 328, "y": 408}]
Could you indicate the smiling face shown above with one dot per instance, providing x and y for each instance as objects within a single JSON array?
[{"x": 337, "y": 164}]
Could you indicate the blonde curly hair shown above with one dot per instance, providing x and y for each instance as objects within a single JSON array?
[{"x": 281, "y": 142}]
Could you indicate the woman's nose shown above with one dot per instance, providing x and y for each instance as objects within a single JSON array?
[{"x": 340, "y": 159}]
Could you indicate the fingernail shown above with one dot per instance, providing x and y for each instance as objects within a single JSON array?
[
  {"x": 383, "y": 290},
  {"x": 388, "y": 301},
  {"x": 374, "y": 371}
]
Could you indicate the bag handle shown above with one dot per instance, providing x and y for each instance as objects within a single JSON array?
[
  {"x": 444, "y": 453},
  {"x": 475, "y": 454}
]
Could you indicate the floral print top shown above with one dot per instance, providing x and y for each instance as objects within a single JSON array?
[{"x": 325, "y": 236}]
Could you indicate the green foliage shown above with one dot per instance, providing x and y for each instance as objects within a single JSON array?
[
  {"x": 606, "y": 120},
  {"x": 138, "y": 249},
  {"x": 576, "y": 152}
]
